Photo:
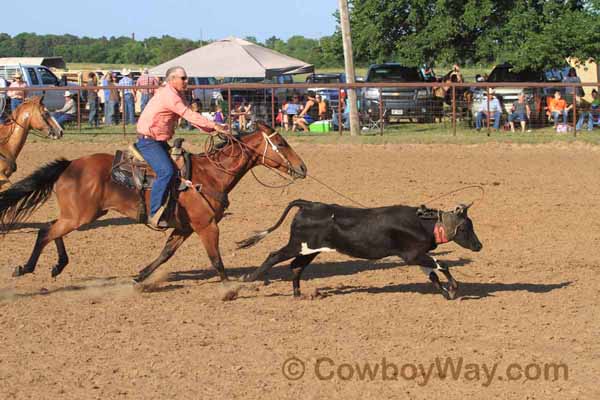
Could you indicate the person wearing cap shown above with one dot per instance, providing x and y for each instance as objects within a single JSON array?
[
  {"x": 157, "y": 125},
  {"x": 489, "y": 107},
  {"x": 128, "y": 97},
  {"x": 16, "y": 96},
  {"x": 68, "y": 112},
  {"x": 146, "y": 94}
]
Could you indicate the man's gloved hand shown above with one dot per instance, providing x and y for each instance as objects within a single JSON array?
[{"x": 221, "y": 130}]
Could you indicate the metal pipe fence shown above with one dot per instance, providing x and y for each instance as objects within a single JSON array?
[{"x": 447, "y": 106}]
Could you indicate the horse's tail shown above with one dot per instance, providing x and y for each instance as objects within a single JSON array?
[
  {"x": 27, "y": 195},
  {"x": 260, "y": 235}
]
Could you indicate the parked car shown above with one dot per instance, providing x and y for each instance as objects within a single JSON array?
[
  {"x": 536, "y": 97},
  {"x": 413, "y": 103},
  {"x": 207, "y": 96},
  {"x": 38, "y": 76},
  {"x": 331, "y": 95}
]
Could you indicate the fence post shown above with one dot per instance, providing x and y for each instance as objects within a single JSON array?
[
  {"x": 488, "y": 111},
  {"x": 79, "y": 109},
  {"x": 453, "y": 109},
  {"x": 273, "y": 108},
  {"x": 575, "y": 112},
  {"x": 340, "y": 119},
  {"x": 229, "y": 109},
  {"x": 381, "y": 116}
]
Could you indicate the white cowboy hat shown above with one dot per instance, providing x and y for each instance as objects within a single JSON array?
[
  {"x": 125, "y": 72},
  {"x": 18, "y": 74},
  {"x": 67, "y": 93}
]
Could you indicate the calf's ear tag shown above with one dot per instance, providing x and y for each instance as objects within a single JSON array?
[{"x": 439, "y": 231}]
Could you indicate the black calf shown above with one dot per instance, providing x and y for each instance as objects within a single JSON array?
[{"x": 371, "y": 233}]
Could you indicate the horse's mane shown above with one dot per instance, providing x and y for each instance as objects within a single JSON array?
[{"x": 6, "y": 130}]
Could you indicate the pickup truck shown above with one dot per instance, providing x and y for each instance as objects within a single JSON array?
[
  {"x": 412, "y": 103},
  {"x": 38, "y": 76}
]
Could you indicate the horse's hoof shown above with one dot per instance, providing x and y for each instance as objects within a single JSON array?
[
  {"x": 19, "y": 271},
  {"x": 451, "y": 290}
]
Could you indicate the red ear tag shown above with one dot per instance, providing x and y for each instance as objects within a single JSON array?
[{"x": 440, "y": 233}]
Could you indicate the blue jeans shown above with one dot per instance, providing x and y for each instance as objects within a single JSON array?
[
  {"x": 144, "y": 100},
  {"x": 109, "y": 112},
  {"x": 557, "y": 114},
  {"x": 335, "y": 120},
  {"x": 14, "y": 103},
  {"x": 61, "y": 118},
  {"x": 129, "y": 108},
  {"x": 582, "y": 116},
  {"x": 93, "y": 103},
  {"x": 156, "y": 154},
  {"x": 482, "y": 115}
]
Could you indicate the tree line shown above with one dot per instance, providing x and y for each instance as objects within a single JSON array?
[{"x": 526, "y": 33}]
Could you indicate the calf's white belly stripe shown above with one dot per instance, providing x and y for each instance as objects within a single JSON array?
[{"x": 306, "y": 250}]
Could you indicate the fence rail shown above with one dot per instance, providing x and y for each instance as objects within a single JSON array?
[{"x": 380, "y": 103}]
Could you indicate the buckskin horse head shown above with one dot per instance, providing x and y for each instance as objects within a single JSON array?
[
  {"x": 85, "y": 192},
  {"x": 32, "y": 114}
]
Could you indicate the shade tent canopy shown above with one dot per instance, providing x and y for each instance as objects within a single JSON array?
[
  {"x": 235, "y": 58},
  {"x": 50, "y": 62}
]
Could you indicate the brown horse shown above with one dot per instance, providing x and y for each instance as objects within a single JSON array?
[
  {"x": 13, "y": 134},
  {"x": 85, "y": 192}
]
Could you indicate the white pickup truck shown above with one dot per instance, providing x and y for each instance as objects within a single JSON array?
[{"x": 38, "y": 76}]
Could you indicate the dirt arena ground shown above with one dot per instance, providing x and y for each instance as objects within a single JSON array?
[{"x": 527, "y": 312}]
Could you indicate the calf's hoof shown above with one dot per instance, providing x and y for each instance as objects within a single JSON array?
[{"x": 55, "y": 271}]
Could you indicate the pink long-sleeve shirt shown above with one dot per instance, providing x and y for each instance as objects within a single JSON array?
[{"x": 162, "y": 112}]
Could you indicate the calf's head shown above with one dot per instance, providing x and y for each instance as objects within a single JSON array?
[{"x": 459, "y": 228}]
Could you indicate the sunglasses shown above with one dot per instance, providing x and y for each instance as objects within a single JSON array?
[{"x": 183, "y": 78}]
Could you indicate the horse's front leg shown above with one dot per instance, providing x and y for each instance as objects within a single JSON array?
[{"x": 209, "y": 235}]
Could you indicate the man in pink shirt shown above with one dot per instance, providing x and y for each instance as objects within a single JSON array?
[{"x": 157, "y": 125}]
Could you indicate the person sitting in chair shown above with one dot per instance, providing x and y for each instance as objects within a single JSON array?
[
  {"x": 519, "y": 111},
  {"x": 156, "y": 126},
  {"x": 310, "y": 113},
  {"x": 68, "y": 112},
  {"x": 490, "y": 107},
  {"x": 558, "y": 107}
]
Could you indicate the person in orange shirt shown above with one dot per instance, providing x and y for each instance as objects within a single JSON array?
[
  {"x": 157, "y": 125},
  {"x": 558, "y": 106}
]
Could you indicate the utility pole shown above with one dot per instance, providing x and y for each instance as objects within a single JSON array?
[{"x": 349, "y": 66}]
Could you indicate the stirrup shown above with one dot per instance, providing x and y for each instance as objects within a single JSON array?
[{"x": 155, "y": 220}]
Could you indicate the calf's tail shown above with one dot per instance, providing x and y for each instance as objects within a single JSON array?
[{"x": 260, "y": 235}]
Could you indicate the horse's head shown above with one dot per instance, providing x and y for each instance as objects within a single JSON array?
[
  {"x": 275, "y": 152},
  {"x": 39, "y": 117}
]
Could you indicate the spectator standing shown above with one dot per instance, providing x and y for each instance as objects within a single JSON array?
[
  {"x": 92, "y": 97},
  {"x": 146, "y": 94},
  {"x": 219, "y": 118},
  {"x": 68, "y": 112},
  {"x": 584, "y": 109},
  {"x": 495, "y": 111},
  {"x": 112, "y": 101},
  {"x": 16, "y": 96},
  {"x": 595, "y": 106},
  {"x": 558, "y": 107},
  {"x": 569, "y": 91},
  {"x": 521, "y": 112},
  {"x": 290, "y": 110},
  {"x": 128, "y": 97},
  {"x": 106, "y": 79},
  {"x": 3, "y": 99}
]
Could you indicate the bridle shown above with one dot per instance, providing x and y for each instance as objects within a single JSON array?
[
  {"x": 275, "y": 148},
  {"x": 16, "y": 123}
]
